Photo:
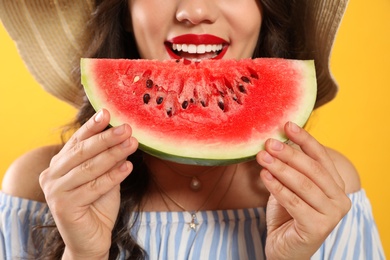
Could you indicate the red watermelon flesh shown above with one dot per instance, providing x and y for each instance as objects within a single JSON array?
[{"x": 210, "y": 112}]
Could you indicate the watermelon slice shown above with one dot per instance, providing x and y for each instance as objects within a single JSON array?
[{"x": 211, "y": 112}]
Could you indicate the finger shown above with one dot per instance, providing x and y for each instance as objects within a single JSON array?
[
  {"x": 308, "y": 220},
  {"x": 307, "y": 170},
  {"x": 297, "y": 183},
  {"x": 313, "y": 148},
  {"x": 89, "y": 148},
  {"x": 96, "y": 188},
  {"x": 98, "y": 165},
  {"x": 295, "y": 206},
  {"x": 96, "y": 124}
]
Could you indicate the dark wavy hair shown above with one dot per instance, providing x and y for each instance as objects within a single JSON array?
[{"x": 280, "y": 36}]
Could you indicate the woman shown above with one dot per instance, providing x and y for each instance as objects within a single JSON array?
[{"x": 107, "y": 199}]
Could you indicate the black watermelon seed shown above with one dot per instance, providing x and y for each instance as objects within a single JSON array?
[
  {"x": 169, "y": 112},
  {"x": 146, "y": 98},
  {"x": 241, "y": 88},
  {"x": 149, "y": 83},
  {"x": 159, "y": 100},
  {"x": 203, "y": 103},
  {"x": 221, "y": 105},
  {"x": 245, "y": 79},
  {"x": 184, "y": 105}
]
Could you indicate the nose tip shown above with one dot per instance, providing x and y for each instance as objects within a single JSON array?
[{"x": 195, "y": 12}]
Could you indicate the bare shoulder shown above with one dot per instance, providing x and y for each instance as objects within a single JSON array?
[
  {"x": 22, "y": 177},
  {"x": 347, "y": 171}
]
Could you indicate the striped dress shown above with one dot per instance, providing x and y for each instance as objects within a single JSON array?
[{"x": 225, "y": 234}]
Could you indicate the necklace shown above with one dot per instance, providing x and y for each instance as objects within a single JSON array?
[
  {"x": 195, "y": 183},
  {"x": 194, "y": 222}
]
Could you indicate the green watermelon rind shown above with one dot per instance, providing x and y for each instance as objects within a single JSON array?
[
  {"x": 193, "y": 161},
  {"x": 223, "y": 156},
  {"x": 198, "y": 161}
]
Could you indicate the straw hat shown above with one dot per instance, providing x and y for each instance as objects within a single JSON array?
[{"x": 49, "y": 37}]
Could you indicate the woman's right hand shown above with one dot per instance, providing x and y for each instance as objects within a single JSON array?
[{"x": 82, "y": 186}]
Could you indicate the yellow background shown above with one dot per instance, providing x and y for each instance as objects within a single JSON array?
[{"x": 357, "y": 122}]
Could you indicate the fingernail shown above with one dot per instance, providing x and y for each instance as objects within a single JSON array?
[
  {"x": 276, "y": 145},
  {"x": 267, "y": 157},
  {"x": 119, "y": 130},
  {"x": 99, "y": 116},
  {"x": 294, "y": 128},
  {"x": 123, "y": 167}
]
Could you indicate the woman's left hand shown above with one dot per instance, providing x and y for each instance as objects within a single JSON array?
[{"x": 307, "y": 195}]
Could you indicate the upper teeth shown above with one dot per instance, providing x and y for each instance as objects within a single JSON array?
[{"x": 201, "y": 48}]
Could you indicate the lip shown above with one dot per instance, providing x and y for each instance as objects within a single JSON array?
[{"x": 196, "y": 39}]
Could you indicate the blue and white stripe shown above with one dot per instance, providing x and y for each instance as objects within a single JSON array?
[
  {"x": 17, "y": 217},
  {"x": 166, "y": 235},
  {"x": 225, "y": 234},
  {"x": 356, "y": 236}
]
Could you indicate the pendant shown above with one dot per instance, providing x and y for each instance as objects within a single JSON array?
[
  {"x": 195, "y": 184},
  {"x": 192, "y": 225}
]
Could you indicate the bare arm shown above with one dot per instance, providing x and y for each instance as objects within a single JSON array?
[{"x": 22, "y": 177}]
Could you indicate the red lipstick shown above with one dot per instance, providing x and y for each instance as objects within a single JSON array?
[{"x": 196, "y": 39}]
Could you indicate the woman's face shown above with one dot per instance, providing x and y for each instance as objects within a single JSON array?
[{"x": 195, "y": 29}]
